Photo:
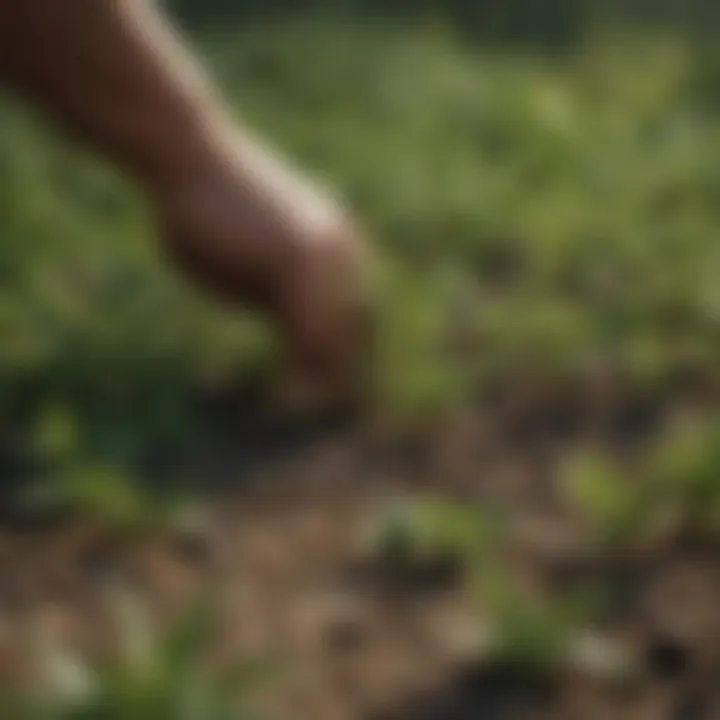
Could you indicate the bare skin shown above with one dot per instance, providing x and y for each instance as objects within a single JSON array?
[{"x": 234, "y": 218}]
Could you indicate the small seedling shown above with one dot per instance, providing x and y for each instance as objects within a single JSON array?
[{"x": 154, "y": 675}]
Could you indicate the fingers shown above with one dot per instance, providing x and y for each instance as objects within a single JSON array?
[{"x": 330, "y": 322}]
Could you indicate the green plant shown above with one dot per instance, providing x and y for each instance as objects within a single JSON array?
[
  {"x": 78, "y": 482},
  {"x": 166, "y": 675},
  {"x": 538, "y": 635},
  {"x": 611, "y": 503},
  {"x": 685, "y": 468},
  {"x": 435, "y": 528},
  {"x": 673, "y": 488}
]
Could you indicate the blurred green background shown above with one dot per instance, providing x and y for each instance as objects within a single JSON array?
[
  {"x": 544, "y": 210},
  {"x": 549, "y": 22}
]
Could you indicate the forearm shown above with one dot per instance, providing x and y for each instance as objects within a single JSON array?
[
  {"x": 235, "y": 218},
  {"x": 113, "y": 73}
]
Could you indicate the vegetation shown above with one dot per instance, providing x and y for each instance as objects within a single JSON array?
[
  {"x": 153, "y": 675},
  {"x": 626, "y": 516},
  {"x": 545, "y": 215},
  {"x": 543, "y": 221}
]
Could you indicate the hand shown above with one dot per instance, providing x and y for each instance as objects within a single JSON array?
[{"x": 254, "y": 232}]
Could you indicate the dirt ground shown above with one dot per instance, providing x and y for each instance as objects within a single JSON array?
[{"x": 290, "y": 513}]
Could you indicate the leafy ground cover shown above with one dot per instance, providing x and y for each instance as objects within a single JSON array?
[{"x": 546, "y": 374}]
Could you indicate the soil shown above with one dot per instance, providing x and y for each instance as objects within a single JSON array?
[{"x": 291, "y": 506}]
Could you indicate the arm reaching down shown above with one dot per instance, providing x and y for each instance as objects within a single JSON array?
[{"x": 233, "y": 217}]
